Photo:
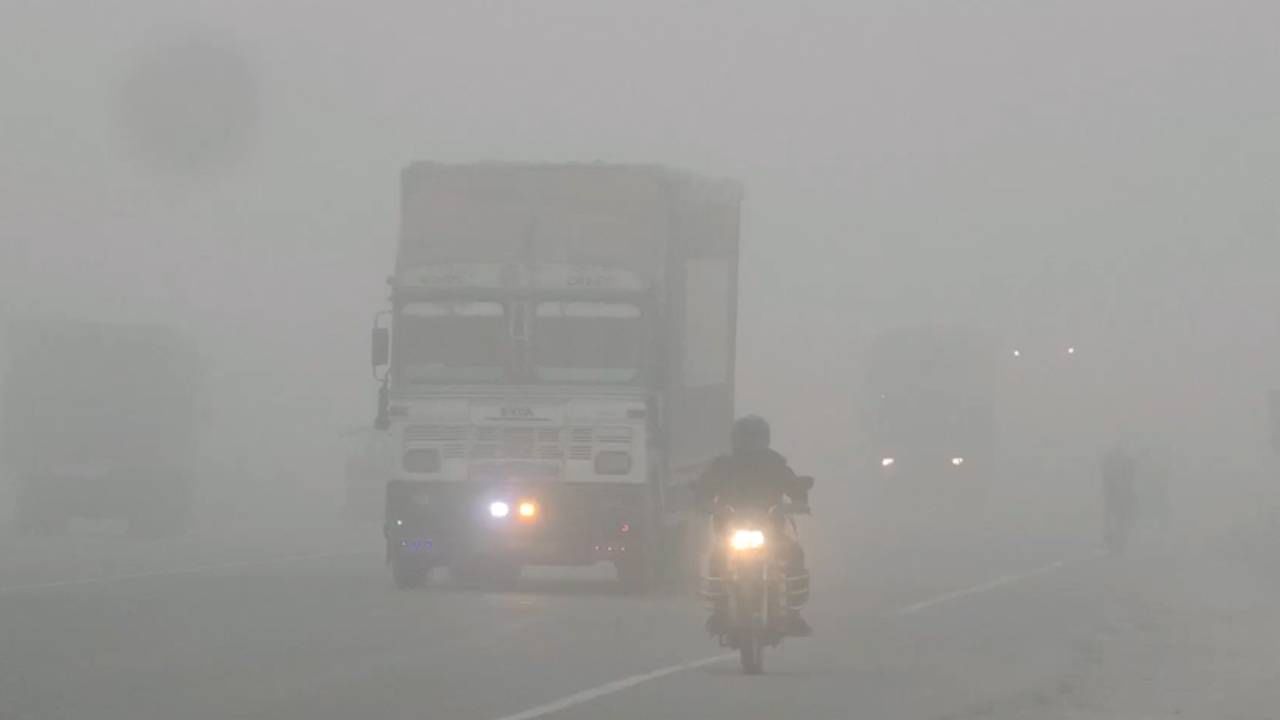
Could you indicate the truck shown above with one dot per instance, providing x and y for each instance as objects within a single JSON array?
[
  {"x": 556, "y": 366},
  {"x": 932, "y": 398},
  {"x": 98, "y": 421}
]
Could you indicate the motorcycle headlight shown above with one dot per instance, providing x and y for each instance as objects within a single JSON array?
[{"x": 747, "y": 540}]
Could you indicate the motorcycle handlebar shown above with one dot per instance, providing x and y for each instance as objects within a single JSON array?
[
  {"x": 787, "y": 508},
  {"x": 790, "y": 508}
]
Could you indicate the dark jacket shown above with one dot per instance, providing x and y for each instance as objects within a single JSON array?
[{"x": 750, "y": 481}]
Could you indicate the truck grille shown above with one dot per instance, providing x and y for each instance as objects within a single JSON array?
[
  {"x": 550, "y": 452},
  {"x": 583, "y": 440},
  {"x": 580, "y": 440},
  {"x": 614, "y": 435},
  {"x": 490, "y": 442},
  {"x": 435, "y": 433}
]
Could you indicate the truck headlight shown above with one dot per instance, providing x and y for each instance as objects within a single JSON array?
[
  {"x": 613, "y": 462},
  {"x": 499, "y": 509},
  {"x": 422, "y": 461},
  {"x": 747, "y": 539}
]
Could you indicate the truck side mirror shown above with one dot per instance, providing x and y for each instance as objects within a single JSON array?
[{"x": 380, "y": 347}]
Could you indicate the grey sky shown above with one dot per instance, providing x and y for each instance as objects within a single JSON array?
[{"x": 1007, "y": 163}]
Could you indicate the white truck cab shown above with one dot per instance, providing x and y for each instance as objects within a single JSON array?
[{"x": 557, "y": 355}]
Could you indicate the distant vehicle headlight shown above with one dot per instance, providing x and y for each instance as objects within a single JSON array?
[
  {"x": 886, "y": 462},
  {"x": 747, "y": 539},
  {"x": 957, "y": 461},
  {"x": 422, "y": 460},
  {"x": 499, "y": 509}
]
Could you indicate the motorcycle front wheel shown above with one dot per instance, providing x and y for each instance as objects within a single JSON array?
[{"x": 751, "y": 651}]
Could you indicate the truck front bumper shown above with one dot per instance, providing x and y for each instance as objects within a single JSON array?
[{"x": 570, "y": 525}]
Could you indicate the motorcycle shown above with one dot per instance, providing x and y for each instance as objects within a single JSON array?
[{"x": 753, "y": 584}]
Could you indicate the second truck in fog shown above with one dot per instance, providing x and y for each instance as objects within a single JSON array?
[
  {"x": 932, "y": 393},
  {"x": 99, "y": 421},
  {"x": 559, "y": 363}
]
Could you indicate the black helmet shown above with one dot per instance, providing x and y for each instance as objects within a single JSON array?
[{"x": 750, "y": 433}]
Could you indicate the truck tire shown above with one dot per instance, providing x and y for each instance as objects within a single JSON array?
[{"x": 409, "y": 574}]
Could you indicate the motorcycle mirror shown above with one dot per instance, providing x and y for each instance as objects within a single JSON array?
[{"x": 806, "y": 482}]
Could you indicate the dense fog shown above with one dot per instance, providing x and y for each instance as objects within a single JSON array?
[{"x": 1097, "y": 177}]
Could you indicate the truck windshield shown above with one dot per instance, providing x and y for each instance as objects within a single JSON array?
[
  {"x": 922, "y": 416},
  {"x": 461, "y": 342},
  {"x": 588, "y": 342}
]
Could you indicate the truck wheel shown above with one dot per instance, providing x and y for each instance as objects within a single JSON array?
[{"x": 409, "y": 574}]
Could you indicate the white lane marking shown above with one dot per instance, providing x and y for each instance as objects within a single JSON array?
[
  {"x": 629, "y": 682},
  {"x": 609, "y": 688},
  {"x": 988, "y": 586},
  {"x": 194, "y": 570}
]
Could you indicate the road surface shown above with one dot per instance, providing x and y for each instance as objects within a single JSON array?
[{"x": 306, "y": 624}]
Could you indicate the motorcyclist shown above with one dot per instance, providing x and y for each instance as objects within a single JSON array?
[
  {"x": 752, "y": 478},
  {"x": 1120, "y": 500}
]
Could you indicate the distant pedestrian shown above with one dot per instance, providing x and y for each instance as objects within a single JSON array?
[{"x": 1119, "y": 497}]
